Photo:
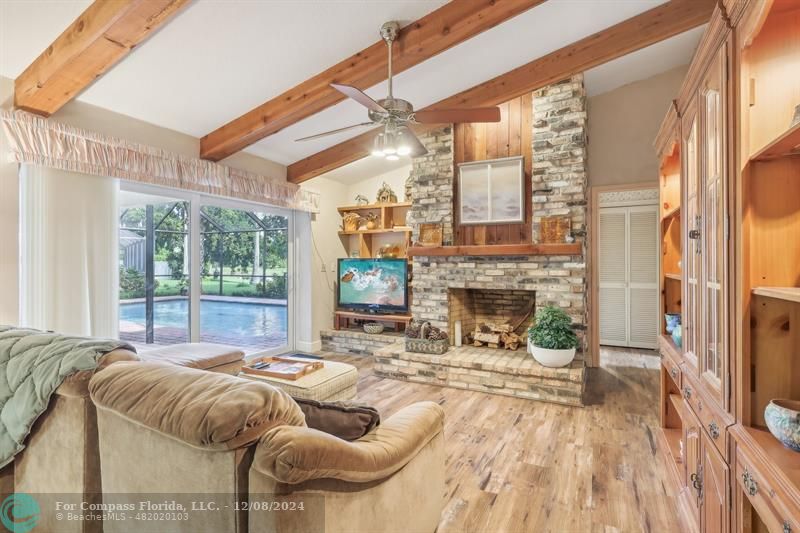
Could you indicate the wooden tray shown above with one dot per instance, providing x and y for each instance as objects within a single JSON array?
[{"x": 283, "y": 367}]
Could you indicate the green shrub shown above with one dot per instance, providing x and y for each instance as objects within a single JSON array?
[
  {"x": 274, "y": 288},
  {"x": 132, "y": 284},
  {"x": 552, "y": 329}
]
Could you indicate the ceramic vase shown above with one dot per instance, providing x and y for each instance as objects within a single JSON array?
[{"x": 783, "y": 421}]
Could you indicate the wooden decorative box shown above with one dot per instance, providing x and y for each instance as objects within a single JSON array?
[{"x": 282, "y": 367}]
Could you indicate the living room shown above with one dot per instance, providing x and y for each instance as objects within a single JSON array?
[{"x": 508, "y": 265}]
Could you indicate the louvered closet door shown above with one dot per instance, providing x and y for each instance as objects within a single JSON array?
[
  {"x": 628, "y": 272},
  {"x": 643, "y": 276},
  {"x": 613, "y": 266}
]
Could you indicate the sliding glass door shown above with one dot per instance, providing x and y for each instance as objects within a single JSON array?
[
  {"x": 153, "y": 269},
  {"x": 195, "y": 268},
  {"x": 245, "y": 271}
]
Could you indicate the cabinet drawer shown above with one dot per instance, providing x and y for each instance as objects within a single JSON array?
[
  {"x": 673, "y": 370},
  {"x": 712, "y": 420},
  {"x": 762, "y": 496}
]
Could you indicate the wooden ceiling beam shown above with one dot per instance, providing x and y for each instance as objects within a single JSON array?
[
  {"x": 102, "y": 35},
  {"x": 451, "y": 24},
  {"x": 645, "y": 29}
]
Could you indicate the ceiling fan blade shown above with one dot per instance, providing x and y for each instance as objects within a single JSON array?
[
  {"x": 325, "y": 134},
  {"x": 417, "y": 148},
  {"x": 444, "y": 116},
  {"x": 359, "y": 96}
]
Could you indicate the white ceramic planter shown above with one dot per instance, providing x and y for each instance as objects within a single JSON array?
[{"x": 551, "y": 358}]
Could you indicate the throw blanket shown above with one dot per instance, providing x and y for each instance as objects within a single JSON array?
[{"x": 33, "y": 364}]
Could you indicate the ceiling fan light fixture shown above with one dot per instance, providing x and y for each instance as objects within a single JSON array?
[
  {"x": 389, "y": 143},
  {"x": 377, "y": 146},
  {"x": 392, "y": 157}
]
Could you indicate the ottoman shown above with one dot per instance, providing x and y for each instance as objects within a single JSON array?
[
  {"x": 335, "y": 381},
  {"x": 199, "y": 355}
]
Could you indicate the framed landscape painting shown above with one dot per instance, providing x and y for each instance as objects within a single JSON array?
[{"x": 491, "y": 192}]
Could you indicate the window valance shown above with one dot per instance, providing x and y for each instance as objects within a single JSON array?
[{"x": 40, "y": 141}]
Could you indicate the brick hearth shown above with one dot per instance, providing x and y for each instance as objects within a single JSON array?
[{"x": 485, "y": 370}]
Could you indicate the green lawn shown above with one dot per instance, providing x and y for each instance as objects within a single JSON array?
[{"x": 230, "y": 287}]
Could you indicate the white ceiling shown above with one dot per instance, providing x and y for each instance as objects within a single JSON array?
[{"x": 219, "y": 58}]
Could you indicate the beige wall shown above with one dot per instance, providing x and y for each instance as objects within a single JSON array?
[
  {"x": 103, "y": 121},
  {"x": 327, "y": 247},
  {"x": 622, "y": 126}
]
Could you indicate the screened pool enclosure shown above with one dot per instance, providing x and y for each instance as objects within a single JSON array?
[{"x": 243, "y": 274}]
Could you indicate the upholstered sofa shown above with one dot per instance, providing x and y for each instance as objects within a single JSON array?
[
  {"x": 61, "y": 453},
  {"x": 184, "y": 432}
]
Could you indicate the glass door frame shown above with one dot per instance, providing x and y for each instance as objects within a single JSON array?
[{"x": 196, "y": 200}]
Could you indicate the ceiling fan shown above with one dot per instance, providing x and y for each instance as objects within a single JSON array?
[{"x": 395, "y": 115}]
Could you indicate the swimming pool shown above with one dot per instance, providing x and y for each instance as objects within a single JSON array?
[{"x": 238, "y": 323}]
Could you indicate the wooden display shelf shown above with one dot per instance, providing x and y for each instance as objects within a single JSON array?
[
  {"x": 674, "y": 277},
  {"x": 671, "y": 213},
  {"x": 342, "y": 318},
  {"x": 791, "y": 294},
  {"x": 499, "y": 249},
  {"x": 371, "y": 207},
  {"x": 786, "y": 144},
  {"x": 784, "y": 463},
  {"x": 374, "y": 231}
]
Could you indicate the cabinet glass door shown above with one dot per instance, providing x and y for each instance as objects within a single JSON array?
[
  {"x": 692, "y": 250},
  {"x": 712, "y": 361}
]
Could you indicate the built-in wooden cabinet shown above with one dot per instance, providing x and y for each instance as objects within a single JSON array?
[{"x": 739, "y": 226}]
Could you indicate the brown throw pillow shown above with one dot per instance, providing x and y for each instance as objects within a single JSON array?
[{"x": 343, "y": 419}]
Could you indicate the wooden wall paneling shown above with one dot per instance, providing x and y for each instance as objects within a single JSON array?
[{"x": 510, "y": 137}]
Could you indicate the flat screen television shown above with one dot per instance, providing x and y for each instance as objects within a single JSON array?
[{"x": 379, "y": 285}]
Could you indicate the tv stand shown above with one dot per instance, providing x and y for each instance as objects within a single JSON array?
[{"x": 342, "y": 318}]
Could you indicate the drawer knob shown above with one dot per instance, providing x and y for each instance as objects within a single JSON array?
[
  {"x": 674, "y": 373},
  {"x": 687, "y": 392},
  {"x": 713, "y": 430},
  {"x": 787, "y": 528},
  {"x": 749, "y": 483}
]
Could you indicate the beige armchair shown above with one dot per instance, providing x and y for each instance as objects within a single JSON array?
[
  {"x": 180, "y": 432},
  {"x": 390, "y": 480}
]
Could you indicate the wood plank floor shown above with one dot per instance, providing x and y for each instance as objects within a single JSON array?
[{"x": 515, "y": 465}]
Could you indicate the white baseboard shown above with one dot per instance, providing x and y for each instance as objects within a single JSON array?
[{"x": 309, "y": 347}]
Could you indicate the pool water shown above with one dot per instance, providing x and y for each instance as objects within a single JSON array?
[{"x": 230, "y": 320}]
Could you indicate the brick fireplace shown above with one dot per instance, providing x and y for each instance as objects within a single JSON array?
[{"x": 472, "y": 307}]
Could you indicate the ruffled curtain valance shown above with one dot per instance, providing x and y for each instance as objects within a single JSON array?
[{"x": 40, "y": 141}]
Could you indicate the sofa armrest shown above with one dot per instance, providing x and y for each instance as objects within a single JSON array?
[{"x": 297, "y": 454}]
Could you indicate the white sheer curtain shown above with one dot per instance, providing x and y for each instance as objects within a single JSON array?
[{"x": 69, "y": 231}]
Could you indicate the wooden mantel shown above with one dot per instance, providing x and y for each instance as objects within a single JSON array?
[{"x": 498, "y": 249}]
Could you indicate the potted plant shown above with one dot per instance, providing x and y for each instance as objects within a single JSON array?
[{"x": 551, "y": 340}]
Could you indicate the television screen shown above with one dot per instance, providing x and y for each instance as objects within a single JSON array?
[{"x": 377, "y": 284}]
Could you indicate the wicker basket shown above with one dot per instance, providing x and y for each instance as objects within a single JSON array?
[
  {"x": 373, "y": 328},
  {"x": 437, "y": 347}
]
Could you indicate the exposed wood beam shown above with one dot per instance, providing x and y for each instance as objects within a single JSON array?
[
  {"x": 650, "y": 27},
  {"x": 437, "y": 31},
  {"x": 102, "y": 35}
]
